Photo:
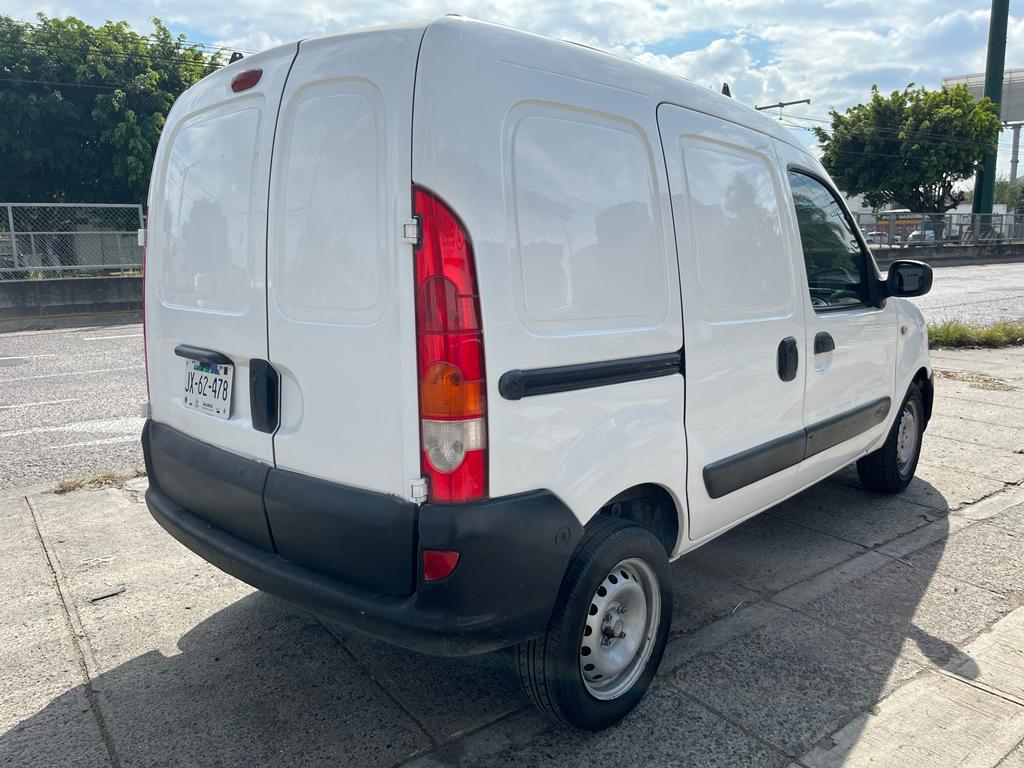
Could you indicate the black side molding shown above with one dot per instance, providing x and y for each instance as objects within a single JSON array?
[
  {"x": 202, "y": 355},
  {"x": 841, "y": 428},
  {"x": 515, "y": 385},
  {"x": 734, "y": 472}
]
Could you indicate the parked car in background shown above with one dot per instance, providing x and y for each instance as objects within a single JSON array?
[
  {"x": 876, "y": 238},
  {"x": 921, "y": 237},
  {"x": 417, "y": 357}
]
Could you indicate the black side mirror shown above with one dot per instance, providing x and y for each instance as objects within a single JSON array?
[{"x": 907, "y": 278}]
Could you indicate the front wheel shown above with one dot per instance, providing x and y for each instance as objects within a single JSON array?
[
  {"x": 607, "y": 632},
  {"x": 891, "y": 468}
]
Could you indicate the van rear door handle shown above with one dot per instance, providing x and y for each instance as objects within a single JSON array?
[
  {"x": 823, "y": 342},
  {"x": 787, "y": 358},
  {"x": 263, "y": 395}
]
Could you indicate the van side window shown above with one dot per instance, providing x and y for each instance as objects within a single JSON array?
[{"x": 832, "y": 253}]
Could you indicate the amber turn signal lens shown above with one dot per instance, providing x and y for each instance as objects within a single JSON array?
[{"x": 445, "y": 393}]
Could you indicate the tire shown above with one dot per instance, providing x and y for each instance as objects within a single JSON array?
[
  {"x": 617, "y": 558},
  {"x": 891, "y": 468}
]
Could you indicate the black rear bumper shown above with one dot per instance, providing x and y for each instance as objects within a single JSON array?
[{"x": 514, "y": 550}]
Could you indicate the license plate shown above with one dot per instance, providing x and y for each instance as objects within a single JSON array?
[{"x": 208, "y": 387}]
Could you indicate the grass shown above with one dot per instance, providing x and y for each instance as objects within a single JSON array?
[
  {"x": 952, "y": 333},
  {"x": 104, "y": 478}
]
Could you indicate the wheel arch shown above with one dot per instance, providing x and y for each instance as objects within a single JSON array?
[
  {"x": 651, "y": 506},
  {"x": 923, "y": 379}
]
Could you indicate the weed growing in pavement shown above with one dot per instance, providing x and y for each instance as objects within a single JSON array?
[
  {"x": 953, "y": 333},
  {"x": 103, "y": 478}
]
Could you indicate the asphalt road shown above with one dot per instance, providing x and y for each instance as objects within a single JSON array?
[
  {"x": 976, "y": 295},
  {"x": 69, "y": 399},
  {"x": 69, "y": 403}
]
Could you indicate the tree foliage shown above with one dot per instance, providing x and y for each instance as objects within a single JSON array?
[
  {"x": 83, "y": 106},
  {"x": 910, "y": 147}
]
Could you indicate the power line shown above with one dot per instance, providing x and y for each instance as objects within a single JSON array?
[
  {"x": 894, "y": 131},
  {"x": 67, "y": 85},
  {"x": 153, "y": 37},
  {"x": 123, "y": 55}
]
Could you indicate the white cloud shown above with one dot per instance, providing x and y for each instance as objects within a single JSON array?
[{"x": 830, "y": 51}]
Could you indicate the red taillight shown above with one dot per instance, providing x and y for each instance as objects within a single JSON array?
[
  {"x": 438, "y": 563},
  {"x": 450, "y": 357},
  {"x": 245, "y": 80}
]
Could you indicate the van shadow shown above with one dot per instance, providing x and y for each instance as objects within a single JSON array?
[{"x": 261, "y": 683}]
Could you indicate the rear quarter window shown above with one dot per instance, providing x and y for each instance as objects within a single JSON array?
[{"x": 587, "y": 249}]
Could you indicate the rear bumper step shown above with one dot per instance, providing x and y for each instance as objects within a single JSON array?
[{"x": 514, "y": 551}]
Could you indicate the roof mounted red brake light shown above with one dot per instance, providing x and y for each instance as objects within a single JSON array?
[{"x": 245, "y": 80}]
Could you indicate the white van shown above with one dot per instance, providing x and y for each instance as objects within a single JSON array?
[{"x": 458, "y": 335}]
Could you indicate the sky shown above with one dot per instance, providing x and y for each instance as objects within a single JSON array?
[{"x": 830, "y": 51}]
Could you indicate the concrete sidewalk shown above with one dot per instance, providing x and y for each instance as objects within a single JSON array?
[{"x": 839, "y": 629}]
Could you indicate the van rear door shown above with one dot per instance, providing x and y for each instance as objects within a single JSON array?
[
  {"x": 340, "y": 302},
  {"x": 206, "y": 254}
]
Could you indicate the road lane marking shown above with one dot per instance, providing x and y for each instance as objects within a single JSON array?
[
  {"x": 126, "y": 425},
  {"x": 103, "y": 338},
  {"x": 41, "y": 402},
  {"x": 76, "y": 373},
  {"x": 86, "y": 443},
  {"x": 25, "y": 357}
]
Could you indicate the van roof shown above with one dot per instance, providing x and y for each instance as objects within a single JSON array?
[{"x": 598, "y": 66}]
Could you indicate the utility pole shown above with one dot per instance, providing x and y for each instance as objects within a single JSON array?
[
  {"x": 1015, "y": 152},
  {"x": 985, "y": 182}
]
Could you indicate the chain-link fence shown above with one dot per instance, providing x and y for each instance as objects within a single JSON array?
[
  {"x": 69, "y": 240},
  {"x": 900, "y": 229}
]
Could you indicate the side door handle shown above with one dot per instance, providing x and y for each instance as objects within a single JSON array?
[
  {"x": 823, "y": 342},
  {"x": 787, "y": 358},
  {"x": 264, "y": 390}
]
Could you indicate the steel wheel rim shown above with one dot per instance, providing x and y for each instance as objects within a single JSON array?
[
  {"x": 620, "y": 630},
  {"x": 907, "y": 438}
]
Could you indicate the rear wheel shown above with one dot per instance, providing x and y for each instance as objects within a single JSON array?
[
  {"x": 891, "y": 468},
  {"x": 607, "y": 632}
]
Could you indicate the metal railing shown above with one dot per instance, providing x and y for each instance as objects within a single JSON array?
[
  {"x": 899, "y": 229},
  {"x": 69, "y": 240}
]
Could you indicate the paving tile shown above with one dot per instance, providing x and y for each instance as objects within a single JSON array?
[
  {"x": 193, "y": 668},
  {"x": 908, "y": 609},
  {"x": 700, "y": 598},
  {"x": 1005, "y": 436},
  {"x": 853, "y": 514},
  {"x": 45, "y": 718},
  {"x": 995, "y": 463},
  {"x": 667, "y": 729},
  {"x": 991, "y": 413},
  {"x": 793, "y": 681},
  {"x": 1015, "y": 759},
  {"x": 1011, "y": 519},
  {"x": 767, "y": 554},
  {"x": 985, "y": 554},
  {"x": 446, "y": 696},
  {"x": 996, "y": 657},
  {"x": 941, "y": 488},
  {"x": 1004, "y": 394},
  {"x": 932, "y": 721}
]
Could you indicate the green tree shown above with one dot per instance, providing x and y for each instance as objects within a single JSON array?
[
  {"x": 1009, "y": 193},
  {"x": 911, "y": 147},
  {"x": 83, "y": 106}
]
